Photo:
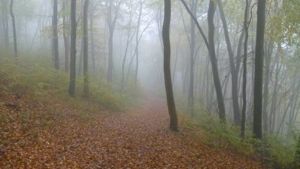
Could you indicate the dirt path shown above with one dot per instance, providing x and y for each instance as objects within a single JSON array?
[{"x": 138, "y": 139}]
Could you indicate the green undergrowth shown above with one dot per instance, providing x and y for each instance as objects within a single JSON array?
[
  {"x": 275, "y": 152},
  {"x": 37, "y": 78}
]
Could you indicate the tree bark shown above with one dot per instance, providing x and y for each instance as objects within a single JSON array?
[
  {"x": 55, "y": 36},
  {"x": 213, "y": 58},
  {"x": 66, "y": 27},
  {"x": 192, "y": 64},
  {"x": 212, "y": 54},
  {"x": 85, "y": 49},
  {"x": 138, "y": 43},
  {"x": 234, "y": 74},
  {"x": 93, "y": 51},
  {"x": 167, "y": 67},
  {"x": 274, "y": 102},
  {"x": 259, "y": 62},
  {"x": 128, "y": 40},
  {"x": 111, "y": 25},
  {"x": 244, "y": 88},
  {"x": 14, "y": 28},
  {"x": 72, "y": 83},
  {"x": 5, "y": 23}
]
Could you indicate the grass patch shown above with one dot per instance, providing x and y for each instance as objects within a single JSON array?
[
  {"x": 35, "y": 76},
  {"x": 276, "y": 152}
]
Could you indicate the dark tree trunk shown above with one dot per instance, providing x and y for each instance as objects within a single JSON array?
[
  {"x": 213, "y": 59},
  {"x": 234, "y": 74},
  {"x": 55, "y": 36},
  {"x": 85, "y": 49},
  {"x": 259, "y": 62},
  {"x": 14, "y": 28},
  {"x": 167, "y": 67},
  {"x": 72, "y": 84}
]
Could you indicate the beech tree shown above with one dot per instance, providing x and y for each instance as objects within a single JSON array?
[
  {"x": 85, "y": 49},
  {"x": 212, "y": 53},
  {"x": 72, "y": 82},
  {"x": 55, "y": 35},
  {"x": 259, "y": 62},
  {"x": 12, "y": 15},
  {"x": 167, "y": 67},
  {"x": 112, "y": 16}
]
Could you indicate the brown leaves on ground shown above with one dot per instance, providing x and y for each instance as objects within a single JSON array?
[{"x": 52, "y": 135}]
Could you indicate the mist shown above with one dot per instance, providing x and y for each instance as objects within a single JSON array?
[{"x": 149, "y": 84}]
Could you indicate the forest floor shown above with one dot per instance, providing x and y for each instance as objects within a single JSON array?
[{"x": 56, "y": 135}]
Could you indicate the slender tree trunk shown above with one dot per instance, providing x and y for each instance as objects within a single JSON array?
[
  {"x": 5, "y": 23},
  {"x": 126, "y": 49},
  {"x": 55, "y": 36},
  {"x": 72, "y": 83},
  {"x": 14, "y": 28},
  {"x": 93, "y": 52},
  {"x": 111, "y": 26},
  {"x": 212, "y": 54},
  {"x": 85, "y": 49},
  {"x": 167, "y": 66},
  {"x": 213, "y": 58},
  {"x": 274, "y": 101},
  {"x": 266, "y": 87},
  {"x": 110, "y": 57},
  {"x": 138, "y": 43},
  {"x": 259, "y": 62},
  {"x": 244, "y": 92},
  {"x": 192, "y": 64},
  {"x": 66, "y": 27},
  {"x": 234, "y": 74}
]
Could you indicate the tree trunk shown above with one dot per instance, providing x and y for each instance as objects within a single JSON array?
[
  {"x": 138, "y": 43},
  {"x": 85, "y": 49},
  {"x": 212, "y": 54},
  {"x": 259, "y": 62},
  {"x": 111, "y": 30},
  {"x": 5, "y": 23},
  {"x": 213, "y": 59},
  {"x": 72, "y": 83},
  {"x": 55, "y": 36},
  {"x": 274, "y": 101},
  {"x": 234, "y": 74},
  {"x": 93, "y": 52},
  {"x": 129, "y": 38},
  {"x": 244, "y": 92},
  {"x": 167, "y": 67},
  {"x": 192, "y": 64},
  {"x": 266, "y": 87},
  {"x": 14, "y": 28},
  {"x": 66, "y": 27}
]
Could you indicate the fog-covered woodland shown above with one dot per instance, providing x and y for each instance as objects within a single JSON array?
[{"x": 150, "y": 84}]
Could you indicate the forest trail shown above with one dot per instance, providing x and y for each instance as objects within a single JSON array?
[{"x": 137, "y": 139}]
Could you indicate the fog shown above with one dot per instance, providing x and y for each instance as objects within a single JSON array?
[{"x": 231, "y": 62}]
